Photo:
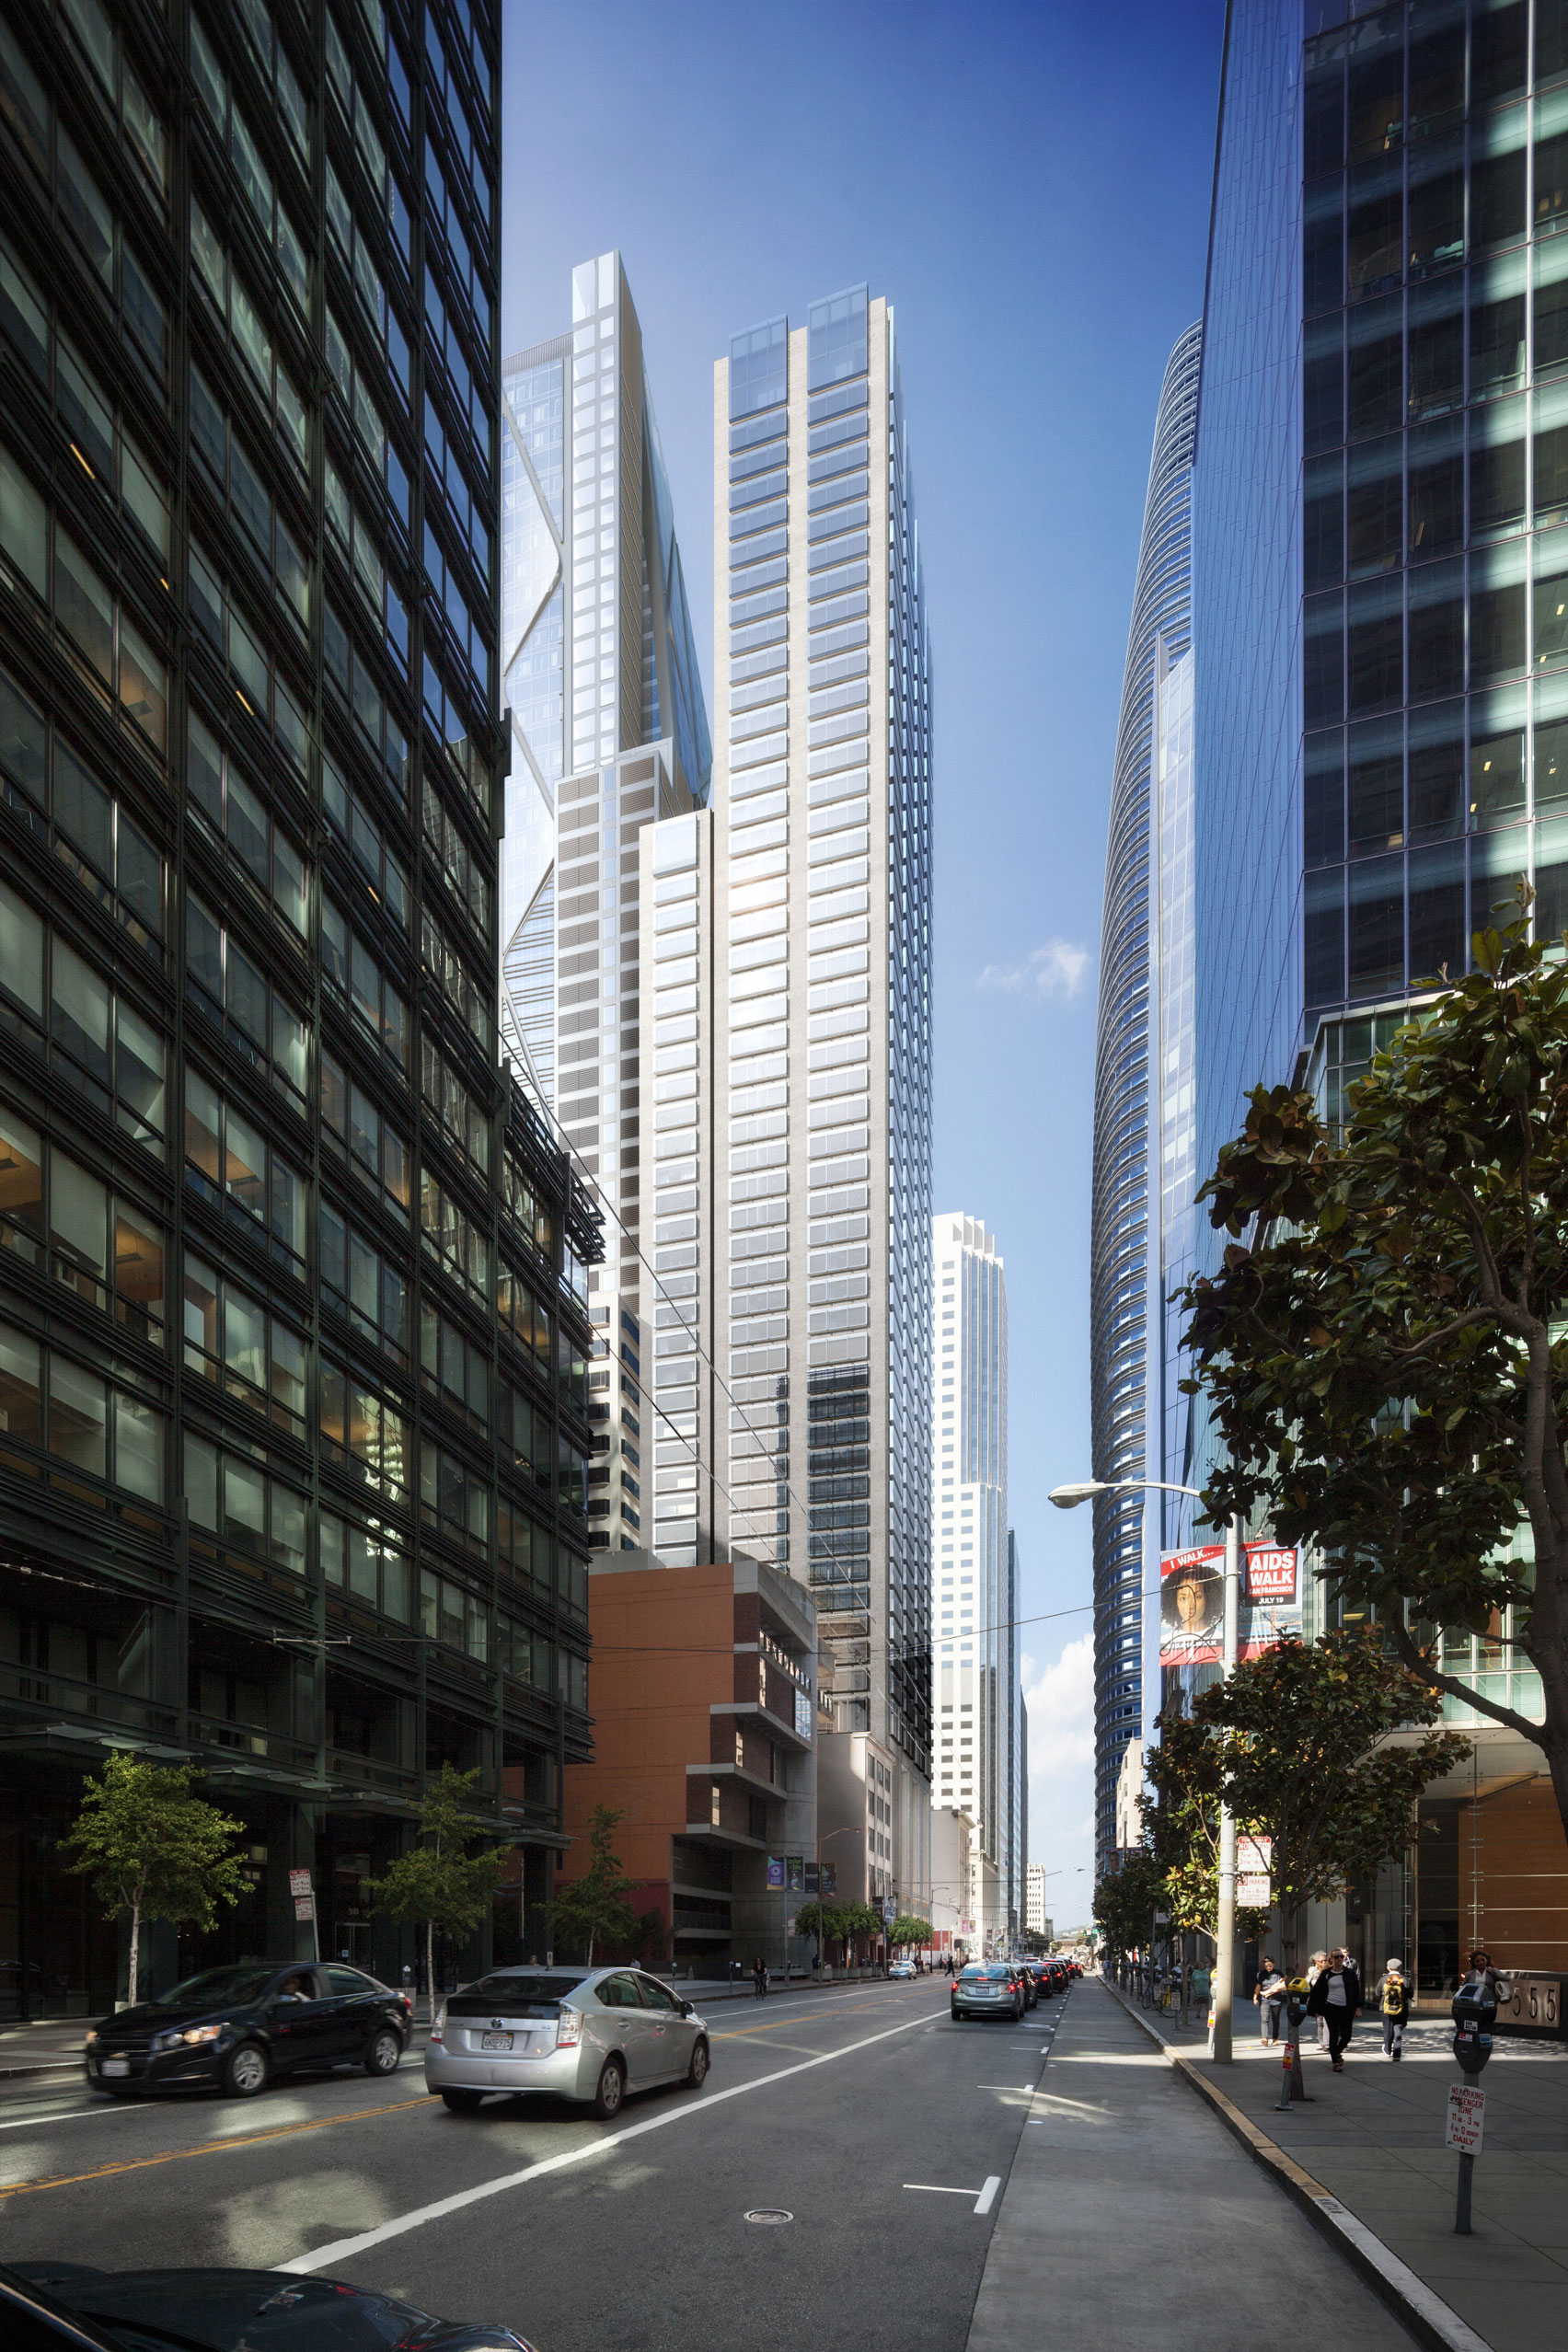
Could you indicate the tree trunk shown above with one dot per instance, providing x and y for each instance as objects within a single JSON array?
[
  {"x": 135, "y": 1949},
  {"x": 429, "y": 1968}
]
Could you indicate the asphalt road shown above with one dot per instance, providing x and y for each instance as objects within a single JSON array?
[{"x": 630, "y": 2237}]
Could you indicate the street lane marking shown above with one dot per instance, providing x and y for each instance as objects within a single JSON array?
[
  {"x": 988, "y": 2196},
  {"x": 209, "y": 2147},
  {"x": 345, "y": 2249},
  {"x": 984, "y": 2197},
  {"x": 780, "y": 2025},
  {"x": 73, "y": 2114},
  {"x": 1025, "y": 2089}
]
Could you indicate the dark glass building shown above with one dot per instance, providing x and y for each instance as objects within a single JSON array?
[
  {"x": 292, "y": 1338},
  {"x": 1126, "y": 1187}
]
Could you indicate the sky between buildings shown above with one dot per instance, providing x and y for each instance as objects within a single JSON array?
[{"x": 1029, "y": 186}]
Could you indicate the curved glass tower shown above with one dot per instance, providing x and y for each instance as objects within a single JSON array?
[{"x": 1120, "y": 1288}]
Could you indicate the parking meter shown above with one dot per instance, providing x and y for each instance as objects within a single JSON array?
[{"x": 1474, "y": 2009}]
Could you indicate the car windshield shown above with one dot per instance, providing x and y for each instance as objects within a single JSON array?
[{"x": 214, "y": 1986}]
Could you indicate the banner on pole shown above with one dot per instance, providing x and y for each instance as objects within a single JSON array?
[{"x": 1191, "y": 1602}]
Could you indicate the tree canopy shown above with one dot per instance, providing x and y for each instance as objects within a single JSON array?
[
  {"x": 1385, "y": 1347},
  {"x": 594, "y": 1908},
  {"x": 152, "y": 1849},
  {"x": 440, "y": 1884}
]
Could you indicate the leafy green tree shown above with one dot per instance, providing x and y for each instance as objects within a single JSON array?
[
  {"x": 907, "y": 1930},
  {"x": 1383, "y": 1353},
  {"x": 1300, "y": 1732},
  {"x": 1182, "y": 1826},
  {"x": 153, "y": 1851},
  {"x": 443, "y": 1881},
  {"x": 595, "y": 1906},
  {"x": 1125, "y": 1901}
]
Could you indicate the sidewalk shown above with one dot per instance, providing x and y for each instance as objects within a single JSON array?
[
  {"x": 1372, "y": 2139},
  {"x": 1131, "y": 2218}
]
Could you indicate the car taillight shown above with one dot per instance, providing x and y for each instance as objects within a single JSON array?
[
  {"x": 438, "y": 2031},
  {"x": 569, "y": 2028}
]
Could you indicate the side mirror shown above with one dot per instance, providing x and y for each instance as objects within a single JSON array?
[{"x": 686, "y": 2009}]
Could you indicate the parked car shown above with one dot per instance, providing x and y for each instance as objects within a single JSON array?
[
  {"x": 61, "y": 2304},
  {"x": 988, "y": 1989},
  {"x": 240, "y": 2026},
  {"x": 902, "y": 1968},
  {"x": 587, "y": 2033}
]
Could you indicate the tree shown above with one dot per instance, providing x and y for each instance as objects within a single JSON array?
[
  {"x": 439, "y": 1882},
  {"x": 1125, "y": 1901},
  {"x": 1299, "y": 1731},
  {"x": 907, "y": 1930},
  {"x": 595, "y": 1906},
  {"x": 153, "y": 1851},
  {"x": 1182, "y": 1827},
  {"x": 1383, "y": 1362}
]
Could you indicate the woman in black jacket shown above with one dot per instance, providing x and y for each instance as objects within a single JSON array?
[{"x": 1336, "y": 1997}]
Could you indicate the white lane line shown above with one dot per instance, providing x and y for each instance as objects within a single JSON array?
[
  {"x": 72, "y": 2115},
  {"x": 345, "y": 2249},
  {"x": 1025, "y": 2089},
  {"x": 988, "y": 2196},
  {"x": 931, "y": 2188}
]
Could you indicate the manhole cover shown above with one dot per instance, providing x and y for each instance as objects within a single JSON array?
[{"x": 769, "y": 2217}]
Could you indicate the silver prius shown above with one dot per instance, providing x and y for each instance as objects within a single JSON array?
[{"x": 589, "y": 2034}]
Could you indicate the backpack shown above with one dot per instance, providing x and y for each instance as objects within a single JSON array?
[{"x": 1393, "y": 1996}]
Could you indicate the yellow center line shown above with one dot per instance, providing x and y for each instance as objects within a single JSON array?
[{"x": 212, "y": 2148}]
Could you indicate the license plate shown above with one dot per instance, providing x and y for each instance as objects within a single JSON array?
[
  {"x": 495, "y": 2041},
  {"x": 115, "y": 2065}
]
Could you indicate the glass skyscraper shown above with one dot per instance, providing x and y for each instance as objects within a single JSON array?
[
  {"x": 1380, "y": 648},
  {"x": 293, "y": 1314},
  {"x": 1131, "y": 1086},
  {"x": 609, "y": 734},
  {"x": 792, "y": 1058},
  {"x": 976, "y": 1691}
]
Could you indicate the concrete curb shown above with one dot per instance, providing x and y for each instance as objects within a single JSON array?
[{"x": 1429, "y": 2319}]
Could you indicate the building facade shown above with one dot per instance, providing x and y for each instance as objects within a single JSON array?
[
  {"x": 1034, "y": 1919},
  {"x": 703, "y": 1729},
  {"x": 977, "y": 1679},
  {"x": 1381, "y": 668},
  {"x": 799, "y": 1427},
  {"x": 608, "y": 734},
  {"x": 293, "y": 1314},
  {"x": 1126, "y": 1082}
]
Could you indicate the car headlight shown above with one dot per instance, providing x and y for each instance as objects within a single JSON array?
[{"x": 203, "y": 2033}]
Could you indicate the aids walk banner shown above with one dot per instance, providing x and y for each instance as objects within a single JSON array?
[{"x": 1191, "y": 1602}]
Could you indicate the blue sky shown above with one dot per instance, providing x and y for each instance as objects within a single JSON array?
[{"x": 1029, "y": 186}]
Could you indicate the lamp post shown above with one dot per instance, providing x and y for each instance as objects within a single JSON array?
[
  {"x": 1067, "y": 1498},
  {"x": 821, "y": 1843}
]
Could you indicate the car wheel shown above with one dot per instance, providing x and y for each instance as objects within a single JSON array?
[
  {"x": 696, "y": 2072},
  {"x": 955, "y": 2012},
  {"x": 461, "y": 2102},
  {"x": 383, "y": 2051},
  {"x": 611, "y": 2091},
  {"x": 245, "y": 2071}
]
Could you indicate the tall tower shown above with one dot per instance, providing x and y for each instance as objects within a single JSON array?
[
  {"x": 608, "y": 734},
  {"x": 975, "y": 1692},
  {"x": 291, "y": 1324},
  {"x": 810, "y": 1267},
  {"x": 1120, "y": 1248}
]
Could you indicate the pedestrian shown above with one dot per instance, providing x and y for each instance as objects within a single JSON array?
[
  {"x": 1269, "y": 1993},
  {"x": 1482, "y": 1972},
  {"x": 1337, "y": 1996},
  {"x": 759, "y": 1976},
  {"x": 1314, "y": 1970},
  {"x": 1394, "y": 2002}
]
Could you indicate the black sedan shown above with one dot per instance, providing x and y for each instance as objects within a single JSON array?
[
  {"x": 61, "y": 2307},
  {"x": 239, "y": 2026}
]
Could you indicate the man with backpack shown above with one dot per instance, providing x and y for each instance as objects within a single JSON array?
[{"x": 1394, "y": 2002}]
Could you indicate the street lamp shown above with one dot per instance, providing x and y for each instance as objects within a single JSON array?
[{"x": 1067, "y": 1498}]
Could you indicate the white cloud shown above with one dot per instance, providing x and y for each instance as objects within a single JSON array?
[
  {"x": 1060, "y": 1699},
  {"x": 1054, "y": 970}
]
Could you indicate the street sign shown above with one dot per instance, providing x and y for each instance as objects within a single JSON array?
[
  {"x": 299, "y": 1881},
  {"x": 305, "y": 1907},
  {"x": 1467, "y": 2117},
  {"x": 1254, "y": 1863}
]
